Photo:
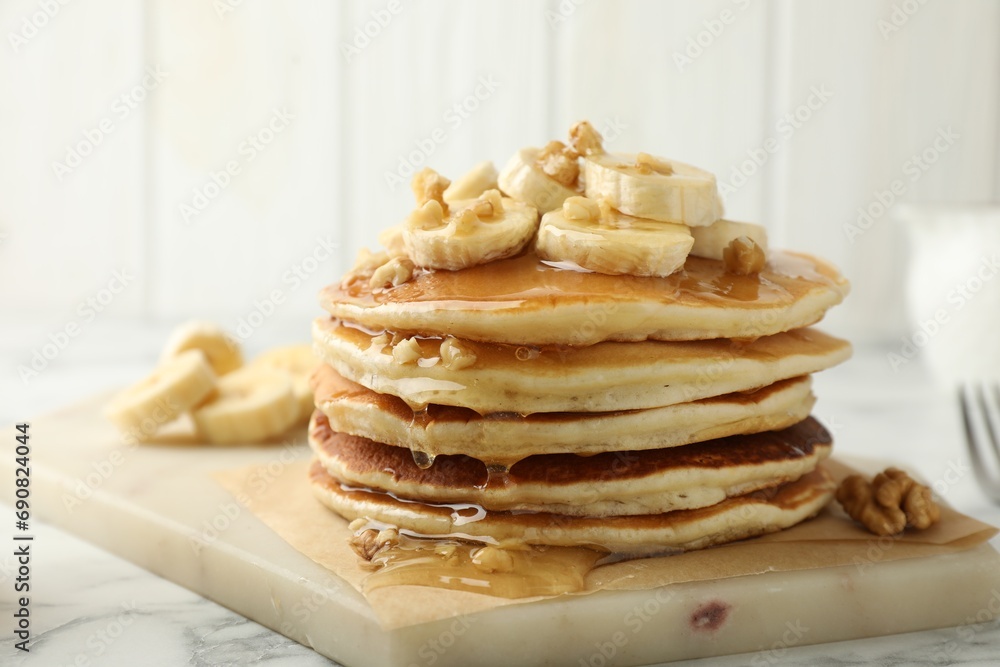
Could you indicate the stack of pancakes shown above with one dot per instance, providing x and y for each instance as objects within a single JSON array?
[{"x": 521, "y": 401}]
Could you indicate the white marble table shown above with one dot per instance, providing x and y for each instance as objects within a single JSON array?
[{"x": 93, "y": 608}]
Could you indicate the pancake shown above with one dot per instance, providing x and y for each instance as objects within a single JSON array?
[
  {"x": 609, "y": 484},
  {"x": 733, "y": 519},
  {"x": 525, "y": 301},
  {"x": 604, "y": 377},
  {"x": 507, "y": 437}
]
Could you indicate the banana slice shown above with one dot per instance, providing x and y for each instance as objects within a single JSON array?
[
  {"x": 222, "y": 351},
  {"x": 476, "y": 231},
  {"x": 251, "y": 405},
  {"x": 299, "y": 362},
  {"x": 595, "y": 237},
  {"x": 712, "y": 241},
  {"x": 524, "y": 180},
  {"x": 176, "y": 385},
  {"x": 478, "y": 180},
  {"x": 650, "y": 187}
]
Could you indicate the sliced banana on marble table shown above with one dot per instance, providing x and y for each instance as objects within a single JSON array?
[
  {"x": 176, "y": 385},
  {"x": 592, "y": 235},
  {"x": 299, "y": 362},
  {"x": 249, "y": 405},
  {"x": 223, "y": 351},
  {"x": 201, "y": 374}
]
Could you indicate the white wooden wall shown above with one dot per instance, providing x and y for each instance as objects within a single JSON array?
[{"x": 321, "y": 179}]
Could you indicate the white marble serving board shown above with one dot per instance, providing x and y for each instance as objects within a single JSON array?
[{"x": 159, "y": 507}]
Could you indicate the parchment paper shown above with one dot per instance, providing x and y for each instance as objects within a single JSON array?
[{"x": 288, "y": 507}]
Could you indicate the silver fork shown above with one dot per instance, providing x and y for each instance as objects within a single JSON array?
[{"x": 981, "y": 415}]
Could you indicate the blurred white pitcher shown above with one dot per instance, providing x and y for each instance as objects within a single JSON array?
[{"x": 953, "y": 291}]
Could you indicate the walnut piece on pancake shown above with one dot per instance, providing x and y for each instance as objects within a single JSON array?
[
  {"x": 393, "y": 273},
  {"x": 889, "y": 503},
  {"x": 744, "y": 257},
  {"x": 585, "y": 139},
  {"x": 379, "y": 343},
  {"x": 456, "y": 356},
  {"x": 560, "y": 162},
  {"x": 407, "y": 351}
]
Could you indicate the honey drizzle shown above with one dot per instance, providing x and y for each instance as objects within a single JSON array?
[
  {"x": 422, "y": 460},
  {"x": 527, "y": 281},
  {"x": 505, "y": 571}
]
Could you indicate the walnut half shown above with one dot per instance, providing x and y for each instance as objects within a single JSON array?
[
  {"x": 889, "y": 503},
  {"x": 369, "y": 542}
]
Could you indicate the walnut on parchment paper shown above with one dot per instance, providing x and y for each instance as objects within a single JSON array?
[
  {"x": 369, "y": 542},
  {"x": 889, "y": 503}
]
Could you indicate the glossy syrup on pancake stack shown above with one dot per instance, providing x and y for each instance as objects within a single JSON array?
[{"x": 577, "y": 352}]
